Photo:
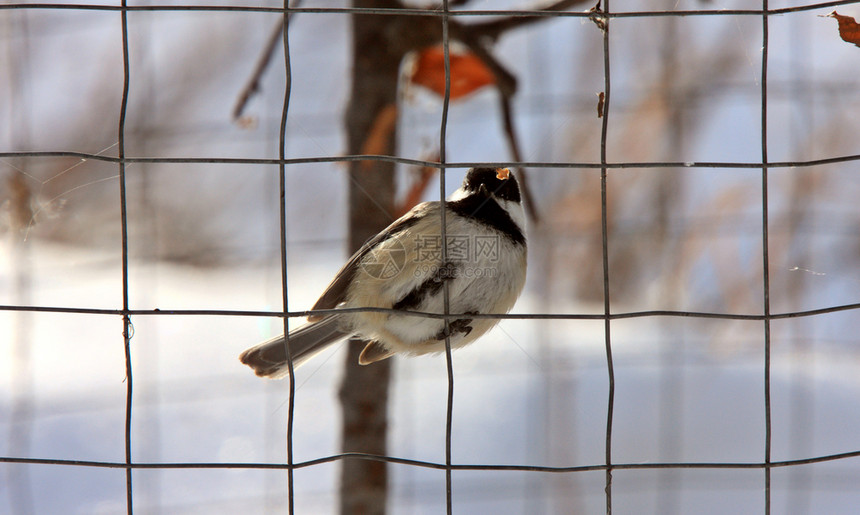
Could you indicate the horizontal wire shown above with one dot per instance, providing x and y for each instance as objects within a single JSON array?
[
  {"x": 425, "y": 12},
  {"x": 431, "y": 464},
  {"x": 432, "y": 164},
  {"x": 424, "y": 314}
]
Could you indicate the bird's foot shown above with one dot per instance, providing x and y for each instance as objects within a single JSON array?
[{"x": 461, "y": 325}]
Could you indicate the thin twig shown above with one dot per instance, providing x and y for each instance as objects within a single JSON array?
[
  {"x": 513, "y": 143},
  {"x": 253, "y": 85},
  {"x": 495, "y": 28}
]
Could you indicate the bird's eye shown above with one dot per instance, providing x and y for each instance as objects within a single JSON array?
[{"x": 502, "y": 173}]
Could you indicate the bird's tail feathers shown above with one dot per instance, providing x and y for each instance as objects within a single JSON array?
[{"x": 269, "y": 359}]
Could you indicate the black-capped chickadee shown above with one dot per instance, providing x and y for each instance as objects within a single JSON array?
[{"x": 402, "y": 268}]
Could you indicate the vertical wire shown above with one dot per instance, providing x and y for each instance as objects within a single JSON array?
[
  {"x": 127, "y": 327},
  {"x": 765, "y": 259},
  {"x": 449, "y": 415},
  {"x": 605, "y": 250},
  {"x": 283, "y": 230}
]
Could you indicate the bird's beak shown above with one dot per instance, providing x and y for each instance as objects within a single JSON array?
[{"x": 502, "y": 174}]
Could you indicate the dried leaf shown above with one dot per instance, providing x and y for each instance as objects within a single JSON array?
[
  {"x": 849, "y": 29},
  {"x": 600, "y": 100},
  {"x": 468, "y": 72},
  {"x": 380, "y": 132}
]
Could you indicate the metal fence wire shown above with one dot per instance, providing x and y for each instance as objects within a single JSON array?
[{"x": 611, "y": 479}]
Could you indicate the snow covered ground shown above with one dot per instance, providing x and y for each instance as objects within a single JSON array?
[{"x": 529, "y": 393}]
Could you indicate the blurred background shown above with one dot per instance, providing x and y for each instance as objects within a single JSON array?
[{"x": 205, "y": 236}]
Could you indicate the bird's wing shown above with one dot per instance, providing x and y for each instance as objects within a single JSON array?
[{"x": 335, "y": 293}]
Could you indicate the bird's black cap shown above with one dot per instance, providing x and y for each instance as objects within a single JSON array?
[{"x": 498, "y": 181}]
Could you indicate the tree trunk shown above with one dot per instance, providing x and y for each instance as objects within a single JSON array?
[{"x": 364, "y": 392}]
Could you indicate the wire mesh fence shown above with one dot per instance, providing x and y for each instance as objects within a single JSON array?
[{"x": 627, "y": 225}]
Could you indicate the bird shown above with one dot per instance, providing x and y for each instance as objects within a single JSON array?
[{"x": 403, "y": 268}]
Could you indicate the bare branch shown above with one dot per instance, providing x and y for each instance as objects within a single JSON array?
[
  {"x": 513, "y": 143},
  {"x": 253, "y": 85},
  {"x": 495, "y": 28}
]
